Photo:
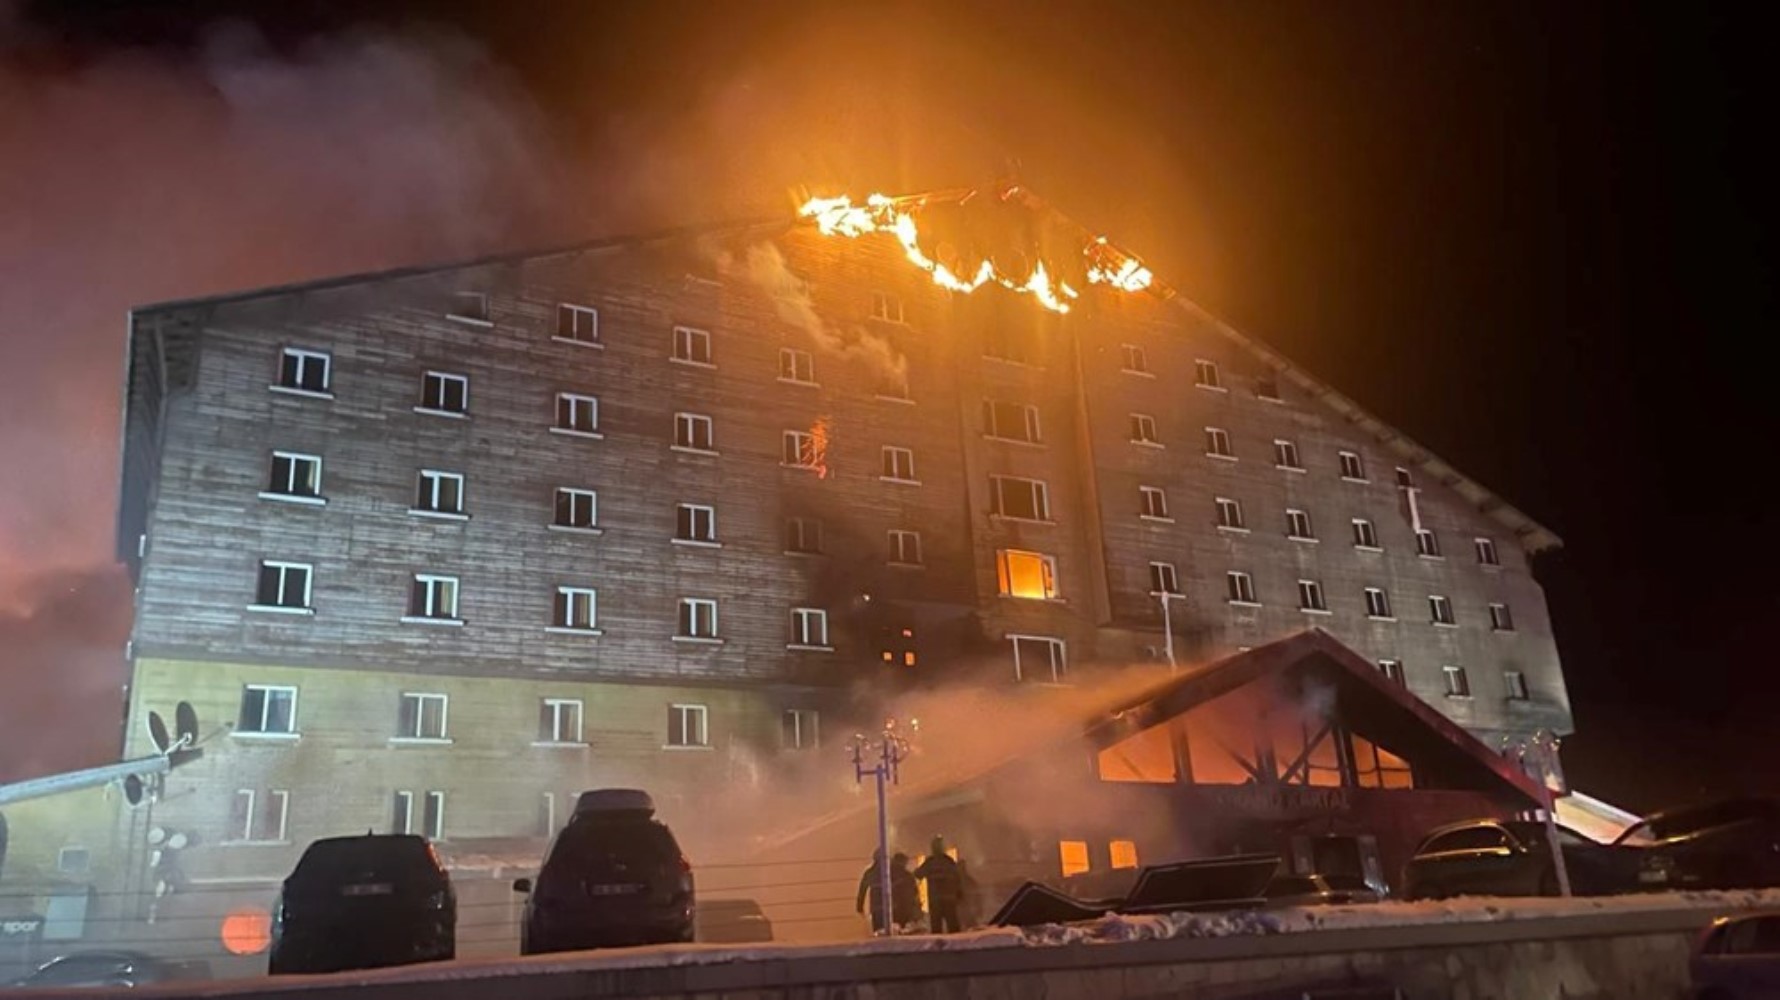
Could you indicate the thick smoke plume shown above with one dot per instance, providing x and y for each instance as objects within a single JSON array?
[{"x": 765, "y": 267}]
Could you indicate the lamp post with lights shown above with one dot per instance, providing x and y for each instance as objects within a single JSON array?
[{"x": 889, "y": 748}]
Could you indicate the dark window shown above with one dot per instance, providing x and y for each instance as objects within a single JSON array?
[{"x": 803, "y": 535}]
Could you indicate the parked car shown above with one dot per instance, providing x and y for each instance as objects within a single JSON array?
[
  {"x": 615, "y": 876},
  {"x": 363, "y": 903},
  {"x": 1318, "y": 890},
  {"x": 1730, "y": 844},
  {"x": 111, "y": 969},
  {"x": 733, "y": 921},
  {"x": 1513, "y": 858},
  {"x": 1737, "y": 958}
]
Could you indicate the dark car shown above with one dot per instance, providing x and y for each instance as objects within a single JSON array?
[
  {"x": 99, "y": 969},
  {"x": 1318, "y": 890},
  {"x": 1737, "y": 958},
  {"x": 614, "y": 877},
  {"x": 1513, "y": 858},
  {"x": 733, "y": 921},
  {"x": 1731, "y": 844},
  {"x": 364, "y": 903}
]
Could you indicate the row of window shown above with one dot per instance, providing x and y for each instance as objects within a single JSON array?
[
  {"x": 1240, "y": 590},
  {"x": 1298, "y": 526},
  {"x": 1458, "y": 681},
  {"x": 1134, "y": 360}
]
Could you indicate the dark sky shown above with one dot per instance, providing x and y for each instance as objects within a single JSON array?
[{"x": 1535, "y": 237}]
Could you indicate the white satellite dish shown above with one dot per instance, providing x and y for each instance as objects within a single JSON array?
[
  {"x": 156, "y": 836},
  {"x": 177, "y": 841}
]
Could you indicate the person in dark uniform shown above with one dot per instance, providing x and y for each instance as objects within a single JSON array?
[
  {"x": 905, "y": 895},
  {"x": 945, "y": 887},
  {"x": 868, "y": 893}
]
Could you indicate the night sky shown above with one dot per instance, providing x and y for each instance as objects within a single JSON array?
[{"x": 1536, "y": 238}]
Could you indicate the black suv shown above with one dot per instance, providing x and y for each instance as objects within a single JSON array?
[
  {"x": 1513, "y": 858},
  {"x": 614, "y": 877},
  {"x": 363, "y": 903},
  {"x": 1731, "y": 844}
]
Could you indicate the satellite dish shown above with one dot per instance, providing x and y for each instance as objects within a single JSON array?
[
  {"x": 133, "y": 790},
  {"x": 185, "y": 723},
  {"x": 157, "y": 732},
  {"x": 156, "y": 835},
  {"x": 177, "y": 841}
]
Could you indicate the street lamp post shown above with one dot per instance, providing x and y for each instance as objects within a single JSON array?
[
  {"x": 890, "y": 748},
  {"x": 1537, "y": 755}
]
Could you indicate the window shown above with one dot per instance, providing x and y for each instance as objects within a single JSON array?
[
  {"x": 1239, "y": 587},
  {"x": 1163, "y": 579},
  {"x": 1352, "y": 467},
  {"x": 1135, "y": 360},
  {"x": 580, "y": 324},
  {"x": 576, "y": 509},
  {"x": 284, "y": 586},
  {"x": 809, "y": 627},
  {"x": 1010, "y": 421},
  {"x": 559, "y": 720},
  {"x": 577, "y": 608},
  {"x": 687, "y": 726},
  {"x": 1378, "y": 603},
  {"x": 1365, "y": 535},
  {"x": 1486, "y": 552},
  {"x": 1039, "y": 658},
  {"x": 1516, "y": 683},
  {"x": 1298, "y": 525},
  {"x": 796, "y": 366},
  {"x": 886, "y": 307},
  {"x": 305, "y": 371},
  {"x": 799, "y": 450},
  {"x": 439, "y": 493},
  {"x": 1393, "y": 672},
  {"x": 1026, "y": 574},
  {"x": 1285, "y": 455},
  {"x": 576, "y": 414},
  {"x": 1267, "y": 387},
  {"x": 799, "y": 730},
  {"x": 692, "y": 346},
  {"x": 1205, "y": 375},
  {"x": 1458, "y": 685},
  {"x": 1310, "y": 596},
  {"x": 1023, "y": 499},
  {"x": 1217, "y": 443},
  {"x": 75, "y": 861},
  {"x": 443, "y": 392},
  {"x": 434, "y": 598},
  {"x": 1427, "y": 543},
  {"x": 692, "y": 432},
  {"x": 698, "y": 618},
  {"x": 295, "y": 476},
  {"x": 1122, "y": 853},
  {"x": 900, "y": 648},
  {"x": 1003, "y": 343},
  {"x": 894, "y": 385},
  {"x": 899, "y": 464},
  {"x": 1153, "y": 502},
  {"x": 1143, "y": 429},
  {"x": 803, "y": 535},
  {"x": 433, "y": 817},
  {"x": 422, "y": 717},
  {"x": 1404, "y": 480},
  {"x": 472, "y": 306},
  {"x": 1440, "y": 610},
  {"x": 696, "y": 523},
  {"x": 905, "y": 547},
  {"x": 547, "y": 815},
  {"x": 1501, "y": 620},
  {"x": 259, "y": 818},
  {"x": 1230, "y": 514},
  {"x": 268, "y": 710},
  {"x": 1072, "y": 855},
  {"x": 402, "y": 819}
]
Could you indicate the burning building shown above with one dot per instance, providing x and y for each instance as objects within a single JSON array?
[{"x": 435, "y": 549}]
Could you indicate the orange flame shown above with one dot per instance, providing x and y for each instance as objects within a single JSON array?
[
  {"x": 1106, "y": 265},
  {"x": 819, "y": 447}
]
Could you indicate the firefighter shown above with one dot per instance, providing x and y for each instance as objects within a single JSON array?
[{"x": 945, "y": 887}]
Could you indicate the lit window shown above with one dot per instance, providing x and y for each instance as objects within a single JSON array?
[
  {"x": 1123, "y": 853},
  {"x": 578, "y": 509},
  {"x": 1285, "y": 455},
  {"x": 300, "y": 371},
  {"x": 259, "y": 818},
  {"x": 886, "y": 307},
  {"x": 899, "y": 465},
  {"x": 1163, "y": 579},
  {"x": 905, "y": 547},
  {"x": 1298, "y": 526},
  {"x": 1458, "y": 684},
  {"x": 1026, "y": 574},
  {"x": 1310, "y": 596},
  {"x": 295, "y": 476},
  {"x": 1136, "y": 362},
  {"x": 693, "y": 432},
  {"x": 692, "y": 346},
  {"x": 577, "y": 608},
  {"x": 439, "y": 493},
  {"x": 1440, "y": 610},
  {"x": 696, "y": 523},
  {"x": 809, "y": 627},
  {"x": 1516, "y": 683},
  {"x": 433, "y": 598},
  {"x": 423, "y": 716},
  {"x": 1500, "y": 618},
  {"x": 687, "y": 726},
  {"x": 698, "y": 618},
  {"x": 284, "y": 585},
  {"x": 1378, "y": 603},
  {"x": 1352, "y": 467},
  {"x": 1073, "y": 855},
  {"x": 799, "y": 729},
  {"x": 1217, "y": 443},
  {"x": 580, "y": 324},
  {"x": 444, "y": 393},
  {"x": 1153, "y": 503},
  {"x": 899, "y": 646},
  {"x": 1039, "y": 659},
  {"x": 1230, "y": 514},
  {"x": 472, "y": 306},
  {"x": 559, "y": 720},
  {"x": 1486, "y": 552},
  {"x": 1022, "y": 499},
  {"x": 1365, "y": 535},
  {"x": 803, "y": 535},
  {"x": 1011, "y": 421},
  {"x": 1240, "y": 587},
  {"x": 1205, "y": 375},
  {"x": 268, "y": 710},
  {"x": 798, "y": 450},
  {"x": 796, "y": 366},
  {"x": 1393, "y": 672},
  {"x": 1427, "y": 543},
  {"x": 1143, "y": 429},
  {"x": 1267, "y": 387},
  {"x": 577, "y": 414}
]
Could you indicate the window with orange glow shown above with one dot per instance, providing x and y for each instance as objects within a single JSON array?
[
  {"x": 1074, "y": 856},
  {"x": 1026, "y": 574},
  {"x": 1376, "y": 767},
  {"x": 1216, "y": 732},
  {"x": 1146, "y": 757},
  {"x": 1124, "y": 853}
]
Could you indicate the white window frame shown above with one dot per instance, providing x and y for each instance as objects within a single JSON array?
[
  {"x": 1230, "y": 516},
  {"x": 1393, "y": 672},
  {"x": 563, "y": 611},
  {"x": 902, "y": 542},
  {"x": 1164, "y": 574},
  {"x": 1134, "y": 360},
  {"x": 577, "y": 402},
  {"x": 1143, "y": 431},
  {"x": 800, "y": 445},
  {"x": 1365, "y": 535},
  {"x": 434, "y": 803},
  {"x": 689, "y": 727},
  {"x": 1286, "y": 456},
  {"x": 1427, "y": 544},
  {"x": 249, "y": 831},
  {"x": 421, "y": 700},
  {"x": 1440, "y": 611},
  {"x": 1058, "y": 660},
  {"x": 432, "y": 584},
  {"x": 1487, "y": 554},
  {"x": 1501, "y": 618},
  {"x": 1267, "y": 380},
  {"x": 284, "y": 570},
  {"x": 481, "y": 316},
  {"x": 1030, "y": 430},
  {"x": 887, "y": 308},
  {"x": 892, "y": 469},
  {"x": 1037, "y": 489},
  {"x": 429, "y": 487},
  {"x": 1405, "y": 479},
  {"x": 1311, "y": 599},
  {"x": 809, "y": 533},
  {"x": 685, "y": 337},
  {"x": 266, "y": 691},
  {"x": 575, "y": 314},
  {"x": 1515, "y": 682},
  {"x": 575, "y": 495},
  {"x": 805, "y": 725},
  {"x": 691, "y": 512},
  {"x": 1206, "y": 375},
  {"x": 809, "y": 629},
  {"x": 402, "y": 800},
  {"x": 295, "y": 461},
  {"x": 444, "y": 379},
  {"x": 1239, "y": 589},
  {"x": 304, "y": 357},
  {"x": 1047, "y": 573},
  {"x": 1458, "y": 682},
  {"x": 1153, "y": 504},
  {"x": 560, "y": 735},
  {"x": 693, "y": 606},
  {"x": 1298, "y": 525},
  {"x": 801, "y": 365},
  {"x": 1378, "y": 605},
  {"x": 686, "y": 427},
  {"x": 1217, "y": 444},
  {"x": 1353, "y": 467}
]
